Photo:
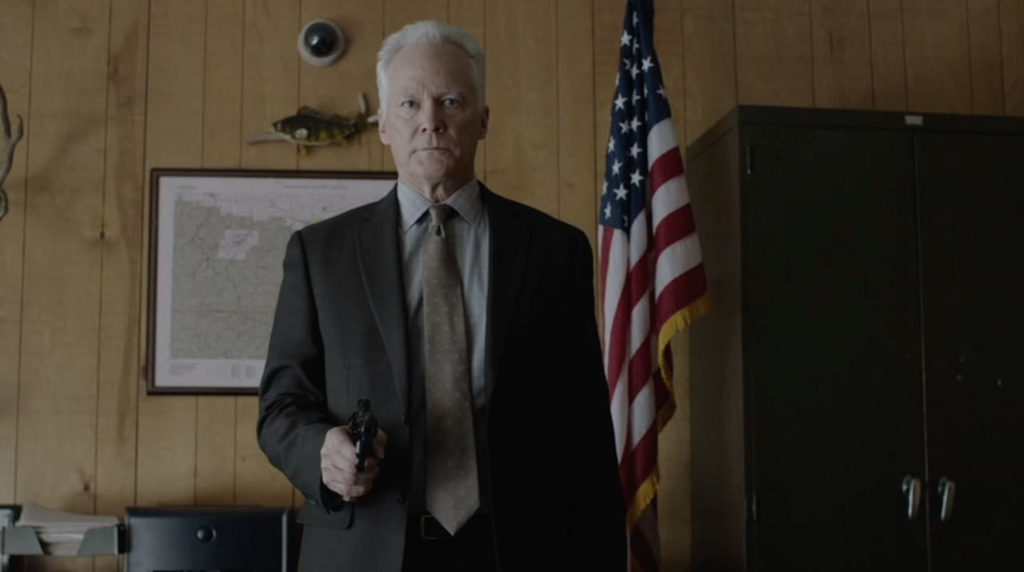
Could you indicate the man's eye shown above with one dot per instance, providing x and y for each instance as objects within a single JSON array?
[
  {"x": 407, "y": 104},
  {"x": 451, "y": 102}
]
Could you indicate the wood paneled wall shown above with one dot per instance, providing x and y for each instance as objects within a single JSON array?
[{"x": 111, "y": 88}]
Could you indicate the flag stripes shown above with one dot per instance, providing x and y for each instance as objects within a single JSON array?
[{"x": 652, "y": 276}]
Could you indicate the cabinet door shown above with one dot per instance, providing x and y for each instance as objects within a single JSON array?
[
  {"x": 832, "y": 348},
  {"x": 972, "y": 208}
]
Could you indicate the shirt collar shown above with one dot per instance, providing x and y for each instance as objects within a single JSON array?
[{"x": 466, "y": 201}]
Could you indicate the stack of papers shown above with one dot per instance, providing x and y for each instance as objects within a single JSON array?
[{"x": 60, "y": 533}]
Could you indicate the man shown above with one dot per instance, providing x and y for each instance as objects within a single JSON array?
[{"x": 496, "y": 446}]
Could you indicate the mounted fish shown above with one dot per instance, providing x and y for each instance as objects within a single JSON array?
[
  {"x": 311, "y": 128},
  {"x": 9, "y": 142}
]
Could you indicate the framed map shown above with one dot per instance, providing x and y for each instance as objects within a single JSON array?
[{"x": 217, "y": 242}]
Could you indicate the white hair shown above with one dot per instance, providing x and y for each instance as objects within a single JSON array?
[{"x": 430, "y": 32}]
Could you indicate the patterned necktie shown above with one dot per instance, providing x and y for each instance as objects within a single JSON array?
[{"x": 452, "y": 489}]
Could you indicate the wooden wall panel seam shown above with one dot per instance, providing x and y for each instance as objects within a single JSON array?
[
  {"x": 985, "y": 56},
  {"x": 483, "y": 43},
  {"x": 558, "y": 132},
  {"x": 121, "y": 267},
  {"x": 26, "y": 144},
  {"x": 1011, "y": 58},
  {"x": 810, "y": 39},
  {"x": 871, "y": 55},
  {"x": 906, "y": 75},
  {"x": 595, "y": 220},
  {"x": 970, "y": 59},
  {"x": 735, "y": 53},
  {"x": 598, "y": 154},
  {"x": 679, "y": 116},
  {"x": 1002, "y": 68},
  {"x": 888, "y": 57},
  {"x": 841, "y": 45},
  {"x": 241, "y": 103},
  {"x": 202, "y": 125},
  {"x": 242, "y": 99},
  {"x": 25, "y": 147},
  {"x": 102, "y": 259},
  {"x": 143, "y": 303},
  {"x": 382, "y": 161},
  {"x": 202, "y": 155}
]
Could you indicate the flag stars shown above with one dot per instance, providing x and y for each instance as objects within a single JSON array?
[
  {"x": 636, "y": 178},
  {"x": 634, "y": 106}
]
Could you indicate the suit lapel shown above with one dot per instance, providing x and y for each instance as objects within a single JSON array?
[
  {"x": 380, "y": 265},
  {"x": 509, "y": 244}
]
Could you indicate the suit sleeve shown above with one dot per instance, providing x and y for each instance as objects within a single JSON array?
[
  {"x": 293, "y": 414},
  {"x": 602, "y": 523}
]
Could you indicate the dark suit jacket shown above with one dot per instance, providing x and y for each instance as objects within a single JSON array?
[{"x": 340, "y": 335}]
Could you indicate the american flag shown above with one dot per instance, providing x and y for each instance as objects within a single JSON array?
[{"x": 652, "y": 275}]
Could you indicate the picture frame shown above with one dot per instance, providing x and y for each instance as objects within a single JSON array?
[{"x": 217, "y": 239}]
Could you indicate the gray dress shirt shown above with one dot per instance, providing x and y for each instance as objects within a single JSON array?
[{"x": 470, "y": 233}]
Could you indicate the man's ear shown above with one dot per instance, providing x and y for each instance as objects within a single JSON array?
[
  {"x": 485, "y": 117},
  {"x": 382, "y": 130}
]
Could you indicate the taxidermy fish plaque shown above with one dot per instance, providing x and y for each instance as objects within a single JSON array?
[
  {"x": 9, "y": 142},
  {"x": 312, "y": 128}
]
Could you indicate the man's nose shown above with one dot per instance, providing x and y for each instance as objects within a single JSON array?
[{"x": 432, "y": 119}]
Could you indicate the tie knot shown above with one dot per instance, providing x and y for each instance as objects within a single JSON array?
[{"x": 439, "y": 215}]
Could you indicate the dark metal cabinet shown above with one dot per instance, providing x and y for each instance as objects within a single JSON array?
[{"x": 861, "y": 351}]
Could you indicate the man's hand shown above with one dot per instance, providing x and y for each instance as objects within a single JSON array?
[{"x": 338, "y": 464}]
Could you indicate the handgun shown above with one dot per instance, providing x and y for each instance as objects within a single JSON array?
[{"x": 362, "y": 427}]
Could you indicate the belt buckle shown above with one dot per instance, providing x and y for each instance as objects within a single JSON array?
[{"x": 425, "y": 520}]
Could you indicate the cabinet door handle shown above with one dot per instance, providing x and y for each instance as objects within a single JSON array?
[
  {"x": 947, "y": 490},
  {"x": 912, "y": 489}
]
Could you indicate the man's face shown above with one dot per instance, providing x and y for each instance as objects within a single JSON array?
[{"x": 432, "y": 118}]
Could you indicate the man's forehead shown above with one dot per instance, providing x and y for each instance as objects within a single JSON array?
[
  {"x": 439, "y": 52},
  {"x": 417, "y": 71}
]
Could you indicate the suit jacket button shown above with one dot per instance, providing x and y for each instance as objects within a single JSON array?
[{"x": 400, "y": 497}]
